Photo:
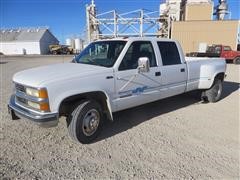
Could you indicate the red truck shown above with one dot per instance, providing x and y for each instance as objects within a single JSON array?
[{"x": 219, "y": 51}]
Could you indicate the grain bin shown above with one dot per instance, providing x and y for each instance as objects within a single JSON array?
[
  {"x": 78, "y": 44},
  {"x": 70, "y": 42}
]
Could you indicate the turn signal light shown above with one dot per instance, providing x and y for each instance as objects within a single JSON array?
[
  {"x": 44, "y": 107},
  {"x": 43, "y": 93}
]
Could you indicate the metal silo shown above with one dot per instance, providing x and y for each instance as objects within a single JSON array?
[
  {"x": 70, "y": 42},
  {"x": 78, "y": 44}
]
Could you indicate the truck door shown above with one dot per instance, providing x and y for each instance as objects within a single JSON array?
[
  {"x": 173, "y": 70},
  {"x": 134, "y": 88},
  {"x": 227, "y": 52}
]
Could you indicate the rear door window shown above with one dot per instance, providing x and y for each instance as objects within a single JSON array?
[{"x": 169, "y": 53}]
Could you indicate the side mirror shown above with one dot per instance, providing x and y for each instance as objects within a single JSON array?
[{"x": 143, "y": 64}]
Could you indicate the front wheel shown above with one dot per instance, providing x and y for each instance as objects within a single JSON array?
[
  {"x": 214, "y": 93},
  {"x": 85, "y": 121}
]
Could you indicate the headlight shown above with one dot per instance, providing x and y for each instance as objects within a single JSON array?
[
  {"x": 42, "y": 106},
  {"x": 32, "y": 92},
  {"x": 39, "y": 93},
  {"x": 38, "y": 104},
  {"x": 34, "y": 105},
  {"x": 34, "y": 98}
]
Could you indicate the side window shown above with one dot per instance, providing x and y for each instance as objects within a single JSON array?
[
  {"x": 169, "y": 53},
  {"x": 226, "y": 48},
  {"x": 135, "y": 51}
]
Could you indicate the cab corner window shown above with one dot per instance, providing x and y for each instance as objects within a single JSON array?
[
  {"x": 169, "y": 53},
  {"x": 136, "y": 50}
]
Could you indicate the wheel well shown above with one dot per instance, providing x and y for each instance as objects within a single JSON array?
[
  {"x": 220, "y": 76},
  {"x": 237, "y": 57},
  {"x": 68, "y": 103}
]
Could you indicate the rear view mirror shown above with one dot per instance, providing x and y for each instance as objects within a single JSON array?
[{"x": 143, "y": 64}]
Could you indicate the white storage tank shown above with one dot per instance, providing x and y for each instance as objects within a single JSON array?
[
  {"x": 70, "y": 42},
  {"x": 78, "y": 44}
]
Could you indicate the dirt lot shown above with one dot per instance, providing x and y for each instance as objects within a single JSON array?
[{"x": 178, "y": 137}]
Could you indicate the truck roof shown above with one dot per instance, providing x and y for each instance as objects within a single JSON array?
[{"x": 136, "y": 39}]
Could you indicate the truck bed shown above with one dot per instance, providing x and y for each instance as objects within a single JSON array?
[
  {"x": 207, "y": 54},
  {"x": 201, "y": 70},
  {"x": 203, "y": 59}
]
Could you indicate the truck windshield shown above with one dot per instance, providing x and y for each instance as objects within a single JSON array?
[{"x": 101, "y": 53}]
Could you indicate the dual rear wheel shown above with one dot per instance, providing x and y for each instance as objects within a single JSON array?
[{"x": 214, "y": 93}]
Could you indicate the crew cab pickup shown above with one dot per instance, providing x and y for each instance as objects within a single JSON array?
[
  {"x": 219, "y": 51},
  {"x": 110, "y": 76}
]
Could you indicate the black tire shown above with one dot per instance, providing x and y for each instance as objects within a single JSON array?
[
  {"x": 78, "y": 124},
  {"x": 214, "y": 93},
  {"x": 236, "y": 60}
]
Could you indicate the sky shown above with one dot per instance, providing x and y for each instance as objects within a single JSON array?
[{"x": 66, "y": 18}]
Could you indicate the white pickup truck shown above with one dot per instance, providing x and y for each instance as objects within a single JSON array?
[{"x": 109, "y": 76}]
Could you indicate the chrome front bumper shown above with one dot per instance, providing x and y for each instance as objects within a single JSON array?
[{"x": 44, "y": 120}]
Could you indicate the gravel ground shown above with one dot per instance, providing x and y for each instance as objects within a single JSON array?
[{"x": 178, "y": 137}]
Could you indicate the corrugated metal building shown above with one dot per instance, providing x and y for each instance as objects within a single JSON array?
[
  {"x": 191, "y": 34},
  {"x": 26, "y": 41}
]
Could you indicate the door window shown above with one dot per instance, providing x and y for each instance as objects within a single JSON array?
[
  {"x": 226, "y": 48},
  {"x": 169, "y": 53},
  {"x": 135, "y": 51}
]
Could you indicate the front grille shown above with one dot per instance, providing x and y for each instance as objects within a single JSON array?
[
  {"x": 20, "y": 87},
  {"x": 21, "y": 100}
]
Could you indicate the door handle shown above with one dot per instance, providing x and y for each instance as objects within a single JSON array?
[
  {"x": 109, "y": 77},
  {"x": 158, "y": 73},
  {"x": 183, "y": 70}
]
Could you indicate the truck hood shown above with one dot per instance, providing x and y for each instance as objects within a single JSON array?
[{"x": 35, "y": 77}]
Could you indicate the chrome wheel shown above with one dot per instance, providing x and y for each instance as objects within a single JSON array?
[{"x": 90, "y": 122}]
